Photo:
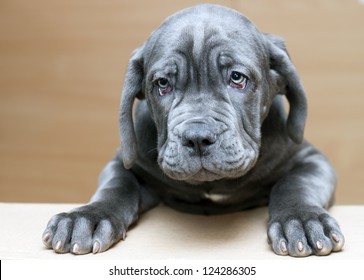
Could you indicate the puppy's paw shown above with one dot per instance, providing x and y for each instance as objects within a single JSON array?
[
  {"x": 302, "y": 232},
  {"x": 83, "y": 230}
]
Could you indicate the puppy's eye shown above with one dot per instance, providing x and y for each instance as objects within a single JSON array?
[
  {"x": 164, "y": 86},
  {"x": 238, "y": 80},
  {"x": 162, "y": 83}
]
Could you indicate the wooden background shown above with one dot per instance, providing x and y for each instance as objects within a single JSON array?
[{"x": 62, "y": 65}]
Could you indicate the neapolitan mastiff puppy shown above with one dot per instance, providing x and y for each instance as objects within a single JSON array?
[{"x": 210, "y": 135}]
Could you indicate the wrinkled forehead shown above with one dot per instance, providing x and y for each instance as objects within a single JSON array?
[{"x": 201, "y": 33}]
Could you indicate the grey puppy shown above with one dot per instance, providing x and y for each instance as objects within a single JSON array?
[{"x": 210, "y": 135}]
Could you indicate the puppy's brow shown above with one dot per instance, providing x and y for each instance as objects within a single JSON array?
[{"x": 225, "y": 60}]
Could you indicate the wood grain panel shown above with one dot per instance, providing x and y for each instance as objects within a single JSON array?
[{"x": 62, "y": 65}]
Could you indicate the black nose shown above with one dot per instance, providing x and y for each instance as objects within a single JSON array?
[{"x": 198, "y": 138}]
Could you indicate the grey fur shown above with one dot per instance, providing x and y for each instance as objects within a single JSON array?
[{"x": 205, "y": 140}]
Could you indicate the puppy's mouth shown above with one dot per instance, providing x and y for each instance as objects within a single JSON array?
[
  {"x": 199, "y": 169},
  {"x": 202, "y": 175}
]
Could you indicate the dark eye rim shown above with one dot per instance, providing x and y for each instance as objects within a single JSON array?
[
  {"x": 162, "y": 83},
  {"x": 239, "y": 81},
  {"x": 163, "y": 86}
]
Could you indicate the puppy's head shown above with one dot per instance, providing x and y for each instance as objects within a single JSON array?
[{"x": 209, "y": 78}]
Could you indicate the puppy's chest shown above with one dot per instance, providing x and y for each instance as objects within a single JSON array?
[
  {"x": 216, "y": 196},
  {"x": 245, "y": 193},
  {"x": 225, "y": 194},
  {"x": 211, "y": 201}
]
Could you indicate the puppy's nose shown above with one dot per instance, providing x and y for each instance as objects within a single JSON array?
[{"x": 198, "y": 138}]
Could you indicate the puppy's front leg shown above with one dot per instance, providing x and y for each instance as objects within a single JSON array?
[
  {"x": 299, "y": 224},
  {"x": 98, "y": 225}
]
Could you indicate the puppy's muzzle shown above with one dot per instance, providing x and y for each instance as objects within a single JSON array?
[{"x": 199, "y": 137}]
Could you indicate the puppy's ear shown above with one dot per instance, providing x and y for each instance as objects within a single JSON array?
[
  {"x": 292, "y": 87},
  {"x": 132, "y": 88}
]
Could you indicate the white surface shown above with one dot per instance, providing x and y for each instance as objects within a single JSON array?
[{"x": 163, "y": 233}]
